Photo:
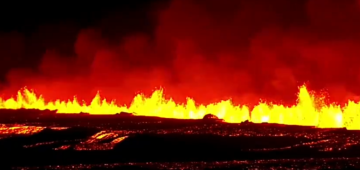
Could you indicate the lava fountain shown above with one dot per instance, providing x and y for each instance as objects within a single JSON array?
[{"x": 306, "y": 112}]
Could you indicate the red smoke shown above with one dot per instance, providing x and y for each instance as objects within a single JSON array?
[{"x": 208, "y": 50}]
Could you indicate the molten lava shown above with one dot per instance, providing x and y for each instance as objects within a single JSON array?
[{"x": 306, "y": 112}]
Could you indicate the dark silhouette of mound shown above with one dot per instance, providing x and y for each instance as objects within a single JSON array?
[
  {"x": 246, "y": 122},
  {"x": 125, "y": 114},
  {"x": 211, "y": 118}
]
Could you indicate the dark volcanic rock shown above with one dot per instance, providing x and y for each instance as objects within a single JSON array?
[
  {"x": 26, "y": 112},
  {"x": 201, "y": 147},
  {"x": 47, "y": 112}
]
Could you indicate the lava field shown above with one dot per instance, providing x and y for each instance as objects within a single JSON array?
[{"x": 66, "y": 141}]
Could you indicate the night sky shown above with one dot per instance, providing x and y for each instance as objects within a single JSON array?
[{"x": 208, "y": 50}]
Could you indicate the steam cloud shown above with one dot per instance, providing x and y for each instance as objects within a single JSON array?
[{"x": 208, "y": 50}]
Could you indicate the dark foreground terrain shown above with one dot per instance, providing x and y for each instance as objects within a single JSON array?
[{"x": 32, "y": 139}]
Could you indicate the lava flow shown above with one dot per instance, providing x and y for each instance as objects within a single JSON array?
[{"x": 306, "y": 112}]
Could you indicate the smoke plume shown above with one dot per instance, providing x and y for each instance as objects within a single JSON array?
[{"x": 208, "y": 50}]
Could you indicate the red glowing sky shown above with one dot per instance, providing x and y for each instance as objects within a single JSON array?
[{"x": 208, "y": 50}]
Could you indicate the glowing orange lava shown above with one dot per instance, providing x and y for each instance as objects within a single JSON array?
[{"x": 305, "y": 112}]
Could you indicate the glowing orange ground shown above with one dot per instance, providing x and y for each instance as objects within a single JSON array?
[{"x": 305, "y": 112}]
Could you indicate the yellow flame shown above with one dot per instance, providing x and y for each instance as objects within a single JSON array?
[{"x": 304, "y": 112}]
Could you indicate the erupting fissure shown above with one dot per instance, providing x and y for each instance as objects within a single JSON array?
[{"x": 306, "y": 112}]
